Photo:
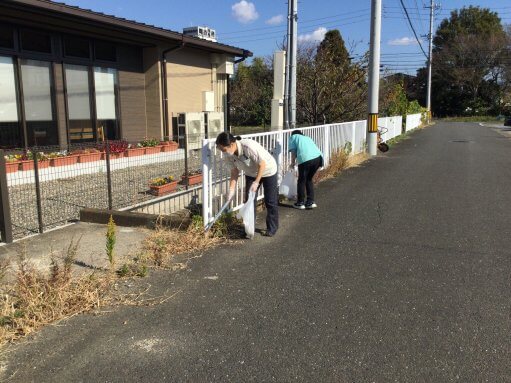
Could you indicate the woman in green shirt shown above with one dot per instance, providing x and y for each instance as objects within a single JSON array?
[{"x": 309, "y": 158}]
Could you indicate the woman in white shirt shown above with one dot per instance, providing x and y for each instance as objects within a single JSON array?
[{"x": 260, "y": 169}]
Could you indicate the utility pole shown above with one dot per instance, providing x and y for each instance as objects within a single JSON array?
[
  {"x": 430, "y": 56},
  {"x": 374, "y": 77},
  {"x": 291, "y": 52},
  {"x": 288, "y": 56}
]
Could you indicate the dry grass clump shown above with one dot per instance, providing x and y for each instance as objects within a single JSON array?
[
  {"x": 338, "y": 162},
  {"x": 36, "y": 299},
  {"x": 162, "y": 245}
]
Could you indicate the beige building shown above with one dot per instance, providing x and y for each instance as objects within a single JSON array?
[{"x": 69, "y": 75}]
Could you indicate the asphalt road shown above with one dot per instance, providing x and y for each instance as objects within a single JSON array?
[{"x": 402, "y": 274}]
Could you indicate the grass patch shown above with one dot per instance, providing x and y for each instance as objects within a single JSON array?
[
  {"x": 472, "y": 119},
  {"x": 396, "y": 140},
  {"x": 36, "y": 299},
  {"x": 339, "y": 161},
  {"x": 163, "y": 245},
  {"x": 239, "y": 130}
]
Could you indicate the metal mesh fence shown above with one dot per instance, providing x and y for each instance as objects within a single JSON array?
[{"x": 47, "y": 186}]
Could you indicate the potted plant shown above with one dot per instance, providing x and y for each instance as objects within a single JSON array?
[
  {"x": 88, "y": 155},
  {"x": 169, "y": 146},
  {"x": 12, "y": 163},
  {"x": 162, "y": 185},
  {"x": 116, "y": 149},
  {"x": 135, "y": 150},
  {"x": 151, "y": 145},
  {"x": 27, "y": 161},
  {"x": 62, "y": 159},
  {"x": 193, "y": 177}
]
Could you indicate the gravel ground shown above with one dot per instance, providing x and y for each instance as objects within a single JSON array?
[{"x": 62, "y": 199}]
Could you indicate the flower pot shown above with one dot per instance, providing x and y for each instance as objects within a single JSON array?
[
  {"x": 89, "y": 157},
  {"x": 43, "y": 164},
  {"x": 29, "y": 165},
  {"x": 64, "y": 161},
  {"x": 169, "y": 146},
  {"x": 153, "y": 149},
  {"x": 115, "y": 156},
  {"x": 135, "y": 152},
  {"x": 192, "y": 180},
  {"x": 163, "y": 189},
  {"x": 12, "y": 167}
]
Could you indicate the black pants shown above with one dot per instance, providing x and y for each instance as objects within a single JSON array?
[
  {"x": 306, "y": 172},
  {"x": 271, "y": 200}
]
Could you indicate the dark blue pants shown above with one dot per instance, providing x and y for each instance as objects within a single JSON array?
[
  {"x": 271, "y": 200},
  {"x": 306, "y": 172}
]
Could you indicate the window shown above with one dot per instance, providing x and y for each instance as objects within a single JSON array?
[
  {"x": 37, "y": 100},
  {"x": 105, "y": 51},
  {"x": 105, "y": 81},
  {"x": 10, "y": 135},
  {"x": 35, "y": 41},
  {"x": 6, "y": 37},
  {"x": 76, "y": 47},
  {"x": 78, "y": 103}
]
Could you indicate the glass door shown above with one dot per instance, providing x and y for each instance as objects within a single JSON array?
[
  {"x": 79, "y": 104},
  {"x": 10, "y": 130},
  {"x": 38, "y": 103},
  {"x": 105, "y": 82}
]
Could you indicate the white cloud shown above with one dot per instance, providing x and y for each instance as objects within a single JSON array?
[
  {"x": 317, "y": 35},
  {"x": 275, "y": 20},
  {"x": 244, "y": 11},
  {"x": 403, "y": 41}
]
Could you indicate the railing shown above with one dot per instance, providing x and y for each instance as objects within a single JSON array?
[
  {"x": 413, "y": 121},
  {"x": 350, "y": 136}
]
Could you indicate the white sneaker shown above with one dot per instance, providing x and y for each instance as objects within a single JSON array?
[{"x": 311, "y": 206}]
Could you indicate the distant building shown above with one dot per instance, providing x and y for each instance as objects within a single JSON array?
[
  {"x": 71, "y": 75},
  {"x": 204, "y": 33}
]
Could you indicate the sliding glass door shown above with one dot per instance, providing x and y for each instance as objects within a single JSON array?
[
  {"x": 92, "y": 103},
  {"x": 79, "y": 104},
  {"x": 105, "y": 82},
  {"x": 38, "y": 103}
]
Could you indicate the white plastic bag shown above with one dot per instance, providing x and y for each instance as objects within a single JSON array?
[
  {"x": 288, "y": 187},
  {"x": 246, "y": 213}
]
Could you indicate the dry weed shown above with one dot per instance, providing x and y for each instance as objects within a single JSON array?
[
  {"x": 338, "y": 162},
  {"x": 36, "y": 299},
  {"x": 163, "y": 244}
]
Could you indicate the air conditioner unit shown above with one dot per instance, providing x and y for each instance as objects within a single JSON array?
[
  {"x": 214, "y": 123},
  {"x": 191, "y": 129}
]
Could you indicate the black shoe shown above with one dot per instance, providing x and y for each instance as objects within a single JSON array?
[
  {"x": 299, "y": 205},
  {"x": 266, "y": 233}
]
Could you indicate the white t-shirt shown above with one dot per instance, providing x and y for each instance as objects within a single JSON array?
[{"x": 250, "y": 155}]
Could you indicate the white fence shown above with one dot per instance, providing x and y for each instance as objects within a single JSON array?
[
  {"x": 413, "y": 121},
  {"x": 330, "y": 138}
]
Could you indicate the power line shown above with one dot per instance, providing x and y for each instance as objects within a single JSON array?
[{"x": 413, "y": 29}]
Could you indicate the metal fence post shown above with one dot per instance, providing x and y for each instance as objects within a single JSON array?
[
  {"x": 38, "y": 193},
  {"x": 187, "y": 181},
  {"x": 5, "y": 208},
  {"x": 108, "y": 175},
  {"x": 353, "y": 135},
  {"x": 205, "y": 182},
  {"x": 328, "y": 150}
]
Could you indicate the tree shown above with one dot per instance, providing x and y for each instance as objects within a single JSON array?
[
  {"x": 251, "y": 94},
  {"x": 468, "y": 61},
  {"x": 330, "y": 88}
]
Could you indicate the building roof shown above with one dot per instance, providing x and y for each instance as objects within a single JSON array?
[{"x": 59, "y": 10}]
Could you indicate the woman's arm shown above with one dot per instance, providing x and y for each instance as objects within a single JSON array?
[{"x": 234, "y": 178}]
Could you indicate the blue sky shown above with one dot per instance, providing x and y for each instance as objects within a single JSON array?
[{"x": 259, "y": 25}]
